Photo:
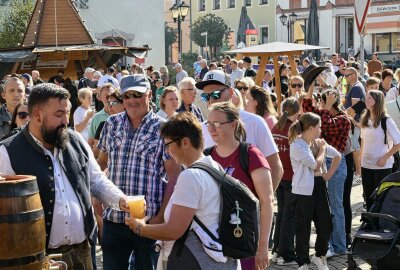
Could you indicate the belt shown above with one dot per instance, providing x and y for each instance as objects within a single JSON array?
[{"x": 67, "y": 248}]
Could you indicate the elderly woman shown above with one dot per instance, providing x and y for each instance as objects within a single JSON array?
[
  {"x": 188, "y": 92},
  {"x": 227, "y": 131},
  {"x": 195, "y": 193},
  {"x": 169, "y": 102},
  {"x": 83, "y": 114}
]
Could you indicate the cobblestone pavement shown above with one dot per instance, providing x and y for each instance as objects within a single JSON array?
[{"x": 335, "y": 263}]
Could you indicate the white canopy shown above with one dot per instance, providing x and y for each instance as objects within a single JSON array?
[{"x": 277, "y": 47}]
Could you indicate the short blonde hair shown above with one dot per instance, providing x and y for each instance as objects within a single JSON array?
[
  {"x": 186, "y": 81},
  {"x": 84, "y": 92}
]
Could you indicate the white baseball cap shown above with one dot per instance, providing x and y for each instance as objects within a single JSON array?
[{"x": 212, "y": 77}]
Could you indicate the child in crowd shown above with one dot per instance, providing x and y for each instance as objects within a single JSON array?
[{"x": 309, "y": 188}]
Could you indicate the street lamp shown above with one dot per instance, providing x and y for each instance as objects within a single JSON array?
[
  {"x": 178, "y": 13},
  {"x": 288, "y": 23}
]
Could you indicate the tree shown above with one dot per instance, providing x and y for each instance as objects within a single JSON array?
[
  {"x": 215, "y": 27},
  {"x": 13, "y": 22},
  {"x": 170, "y": 38}
]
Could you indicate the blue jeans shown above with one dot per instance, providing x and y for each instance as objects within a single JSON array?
[
  {"x": 122, "y": 249},
  {"x": 337, "y": 242}
]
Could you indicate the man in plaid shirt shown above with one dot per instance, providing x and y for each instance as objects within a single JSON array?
[
  {"x": 335, "y": 127},
  {"x": 134, "y": 153}
]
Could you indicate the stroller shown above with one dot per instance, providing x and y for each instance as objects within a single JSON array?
[{"x": 378, "y": 239}]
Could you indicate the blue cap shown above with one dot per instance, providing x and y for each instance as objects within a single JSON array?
[{"x": 135, "y": 82}]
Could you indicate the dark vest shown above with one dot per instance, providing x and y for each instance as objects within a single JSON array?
[{"x": 28, "y": 158}]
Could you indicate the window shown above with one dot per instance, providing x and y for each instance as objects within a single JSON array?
[
  {"x": 263, "y": 2},
  {"x": 217, "y": 4},
  {"x": 382, "y": 42},
  {"x": 293, "y": 4},
  {"x": 202, "y": 5},
  {"x": 396, "y": 42},
  {"x": 231, "y": 3},
  {"x": 264, "y": 34},
  {"x": 247, "y": 3}
]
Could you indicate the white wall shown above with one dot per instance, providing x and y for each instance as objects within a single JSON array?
[{"x": 144, "y": 19}]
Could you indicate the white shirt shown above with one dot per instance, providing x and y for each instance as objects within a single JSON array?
[
  {"x": 257, "y": 133},
  {"x": 393, "y": 110},
  {"x": 374, "y": 144},
  {"x": 68, "y": 221},
  {"x": 80, "y": 115},
  {"x": 392, "y": 94},
  {"x": 108, "y": 79},
  {"x": 236, "y": 74}
]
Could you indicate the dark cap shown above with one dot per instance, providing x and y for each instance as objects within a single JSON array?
[
  {"x": 310, "y": 74},
  {"x": 247, "y": 59}
]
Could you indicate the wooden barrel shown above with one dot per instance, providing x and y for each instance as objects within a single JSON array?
[{"x": 22, "y": 228}]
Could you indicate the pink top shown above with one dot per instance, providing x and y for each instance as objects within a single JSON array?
[{"x": 271, "y": 120}]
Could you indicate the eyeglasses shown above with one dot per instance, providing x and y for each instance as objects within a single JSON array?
[
  {"x": 348, "y": 75},
  {"x": 134, "y": 94},
  {"x": 242, "y": 88},
  {"x": 215, "y": 95},
  {"x": 113, "y": 103},
  {"x": 168, "y": 143},
  {"x": 22, "y": 115},
  {"x": 298, "y": 85},
  {"x": 217, "y": 124},
  {"x": 189, "y": 89}
]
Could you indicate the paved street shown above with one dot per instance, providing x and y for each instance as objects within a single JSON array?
[{"x": 335, "y": 263}]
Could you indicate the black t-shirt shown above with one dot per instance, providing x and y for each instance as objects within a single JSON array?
[{"x": 98, "y": 130}]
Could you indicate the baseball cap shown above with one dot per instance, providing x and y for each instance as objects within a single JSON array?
[
  {"x": 246, "y": 59},
  {"x": 212, "y": 77},
  {"x": 26, "y": 76},
  {"x": 135, "y": 82}
]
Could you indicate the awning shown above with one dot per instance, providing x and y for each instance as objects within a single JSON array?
[
  {"x": 13, "y": 56},
  {"x": 383, "y": 27}
]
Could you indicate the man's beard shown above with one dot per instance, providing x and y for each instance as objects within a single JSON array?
[{"x": 57, "y": 137}]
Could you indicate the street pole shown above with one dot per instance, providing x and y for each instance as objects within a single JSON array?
[
  {"x": 206, "y": 45},
  {"x": 179, "y": 39},
  {"x": 362, "y": 54}
]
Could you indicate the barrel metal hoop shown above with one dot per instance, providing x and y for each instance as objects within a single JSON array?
[
  {"x": 24, "y": 189},
  {"x": 22, "y": 261},
  {"x": 22, "y": 217}
]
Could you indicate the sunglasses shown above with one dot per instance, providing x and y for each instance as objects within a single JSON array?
[
  {"x": 299, "y": 85},
  {"x": 242, "y": 88},
  {"x": 113, "y": 103},
  {"x": 134, "y": 94},
  {"x": 348, "y": 75},
  {"x": 22, "y": 115},
  {"x": 215, "y": 95}
]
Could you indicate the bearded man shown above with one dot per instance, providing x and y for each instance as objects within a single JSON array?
[{"x": 67, "y": 175}]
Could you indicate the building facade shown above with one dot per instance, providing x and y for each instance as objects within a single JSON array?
[
  {"x": 338, "y": 29},
  {"x": 260, "y": 12}
]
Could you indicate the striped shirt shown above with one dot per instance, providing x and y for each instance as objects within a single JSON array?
[{"x": 135, "y": 160}]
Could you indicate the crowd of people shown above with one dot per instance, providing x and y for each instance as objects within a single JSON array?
[{"x": 120, "y": 132}]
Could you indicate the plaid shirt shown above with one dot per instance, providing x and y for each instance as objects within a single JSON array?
[
  {"x": 335, "y": 130},
  {"x": 135, "y": 160},
  {"x": 193, "y": 109}
]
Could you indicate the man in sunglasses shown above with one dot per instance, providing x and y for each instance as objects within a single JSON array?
[
  {"x": 257, "y": 132},
  {"x": 138, "y": 163},
  {"x": 14, "y": 94}
]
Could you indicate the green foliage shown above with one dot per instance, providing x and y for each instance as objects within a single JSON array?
[
  {"x": 216, "y": 28},
  {"x": 187, "y": 62},
  {"x": 170, "y": 38},
  {"x": 14, "y": 21}
]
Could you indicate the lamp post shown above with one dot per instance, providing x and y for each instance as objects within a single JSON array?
[
  {"x": 288, "y": 23},
  {"x": 178, "y": 12}
]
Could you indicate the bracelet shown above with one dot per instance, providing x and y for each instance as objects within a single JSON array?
[{"x": 138, "y": 229}]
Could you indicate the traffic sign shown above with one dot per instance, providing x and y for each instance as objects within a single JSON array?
[{"x": 360, "y": 13}]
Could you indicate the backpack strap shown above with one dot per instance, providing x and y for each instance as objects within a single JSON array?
[
  {"x": 383, "y": 125},
  {"x": 205, "y": 229}
]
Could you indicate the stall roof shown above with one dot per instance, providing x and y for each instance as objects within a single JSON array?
[{"x": 276, "y": 47}]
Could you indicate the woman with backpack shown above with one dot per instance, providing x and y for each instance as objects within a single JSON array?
[
  {"x": 196, "y": 194},
  {"x": 283, "y": 250},
  {"x": 228, "y": 133},
  {"x": 307, "y": 155},
  {"x": 377, "y": 145}
]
